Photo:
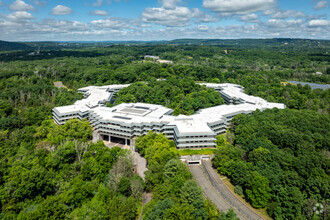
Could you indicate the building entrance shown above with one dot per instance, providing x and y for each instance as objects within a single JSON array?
[
  {"x": 105, "y": 137},
  {"x": 117, "y": 140},
  {"x": 193, "y": 162}
]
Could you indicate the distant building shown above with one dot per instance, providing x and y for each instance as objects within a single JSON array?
[
  {"x": 156, "y": 58},
  {"x": 129, "y": 120},
  {"x": 34, "y": 53},
  {"x": 318, "y": 73},
  {"x": 151, "y": 57},
  {"x": 165, "y": 61}
]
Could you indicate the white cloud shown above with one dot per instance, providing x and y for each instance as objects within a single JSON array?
[
  {"x": 203, "y": 17},
  {"x": 203, "y": 27},
  {"x": 172, "y": 15},
  {"x": 319, "y": 23},
  {"x": 170, "y": 4},
  {"x": 47, "y": 29},
  {"x": 20, "y": 5},
  {"x": 59, "y": 27},
  {"x": 109, "y": 2},
  {"x": 177, "y": 17},
  {"x": 123, "y": 29},
  {"x": 41, "y": 3},
  {"x": 251, "y": 18},
  {"x": 275, "y": 23},
  {"x": 146, "y": 26},
  {"x": 61, "y": 10},
  {"x": 295, "y": 22},
  {"x": 269, "y": 12},
  {"x": 19, "y": 16},
  {"x": 287, "y": 14},
  {"x": 100, "y": 12},
  {"x": 98, "y": 3},
  {"x": 110, "y": 23},
  {"x": 237, "y": 6},
  {"x": 320, "y": 5},
  {"x": 284, "y": 24},
  {"x": 179, "y": 22}
]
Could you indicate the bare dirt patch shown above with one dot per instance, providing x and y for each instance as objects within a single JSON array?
[{"x": 59, "y": 84}]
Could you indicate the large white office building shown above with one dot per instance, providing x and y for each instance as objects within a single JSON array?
[{"x": 129, "y": 120}]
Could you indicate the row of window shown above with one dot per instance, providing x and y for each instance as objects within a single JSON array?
[
  {"x": 194, "y": 147},
  {"x": 200, "y": 141},
  {"x": 213, "y": 126},
  {"x": 63, "y": 116},
  {"x": 132, "y": 131},
  {"x": 200, "y": 136},
  {"x": 218, "y": 129},
  {"x": 124, "y": 136}
]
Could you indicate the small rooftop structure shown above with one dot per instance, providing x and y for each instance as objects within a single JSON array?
[
  {"x": 131, "y": 113},
  {"x": 151, "y": 57},
  {"x": 165, "y": 61}
]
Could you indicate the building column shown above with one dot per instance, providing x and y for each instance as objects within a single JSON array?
[
  {"x": 109, "y": 138},
  {"x": 125, "y": 141},
  {"x": 132, "y": 143}
]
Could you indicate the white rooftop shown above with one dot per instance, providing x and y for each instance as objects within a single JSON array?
[
  {"x": 234, "y": 91},
  {"x": 131, "y": 113},
  {"x": 96, "y": 94}
]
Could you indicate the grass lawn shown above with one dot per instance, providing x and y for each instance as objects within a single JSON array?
[{"x": 203, "y": 151}]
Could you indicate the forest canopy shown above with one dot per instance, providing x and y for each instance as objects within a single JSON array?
[
  {"x": 276, "y": 159},
  {"x": 184, "y": 96},
  {"x": 279, "y": 161}
]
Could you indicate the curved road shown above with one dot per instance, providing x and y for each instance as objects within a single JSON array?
[
  {"x": 209, "y": 190},
  {"x": 218, "y": 193}
]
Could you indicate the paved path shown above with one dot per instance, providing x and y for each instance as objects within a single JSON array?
[
  {"x": 146, "y": 197},
  {"x": 96, "y": 136},
  {"x": 209, "y": 190},
  {"x": 242, "y": 211},
  {"x": 139, "y": 161},
  {"x": 141, "y": 164}
]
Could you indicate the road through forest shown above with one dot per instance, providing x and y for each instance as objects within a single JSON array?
[{"x": 215, "y": 190}]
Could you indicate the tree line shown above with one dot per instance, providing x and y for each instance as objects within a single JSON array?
[
  {"x": 32, "y": 148},
  {"x": 278, "y": 160},
  {"x": 184, "y": 96},
  {"x": 56, "y": 172}
]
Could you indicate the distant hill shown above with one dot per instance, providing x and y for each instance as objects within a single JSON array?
[
  {"x": 7, "y": 46},
  {"x": 287, "y": 42},
  {"x": 271, "y": 43}
]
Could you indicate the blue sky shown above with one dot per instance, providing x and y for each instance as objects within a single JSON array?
[{"x": 100, "y": 20}]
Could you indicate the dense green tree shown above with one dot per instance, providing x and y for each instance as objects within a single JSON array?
[
  {"x": 191, "y": 193},
  {"x": 72, "y": 129},
  {"x": 94, "y": 209},
  {"x": 230, "y": 215},
  {"x": 257, "y": 190},
  {"x": 223, "y": 157},
  {"x": 159, "y": 209},
  {"x": 281, "y": 163},
  {"x": 182, "y": 95},
  {"x": 41, "y": 167},
  {"x": 211, "y": 210},
  {"x": 174, "y": 168},
  {"x": 122, "y": 208}
]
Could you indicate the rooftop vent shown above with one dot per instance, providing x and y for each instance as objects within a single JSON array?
[{"x": 141, "y": 107}]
